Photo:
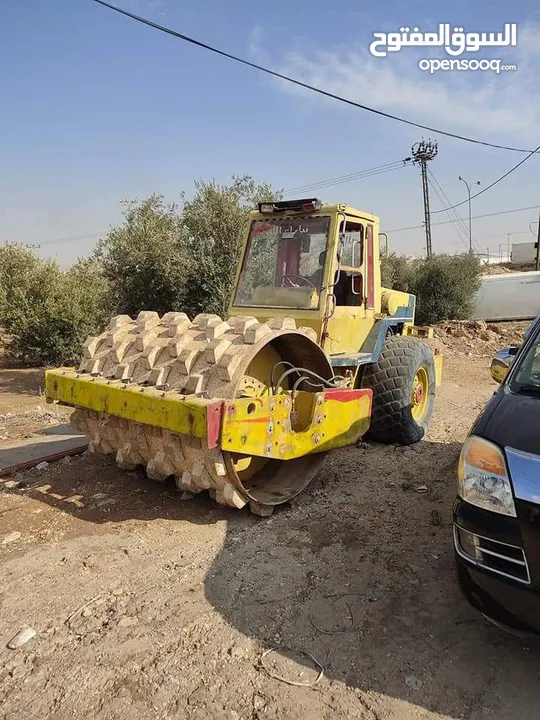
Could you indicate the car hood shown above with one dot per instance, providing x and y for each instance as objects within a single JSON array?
[{"x": 512, "y": 421}]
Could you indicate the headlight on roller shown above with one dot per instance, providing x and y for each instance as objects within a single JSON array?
[{"x": 483, "y": 478}]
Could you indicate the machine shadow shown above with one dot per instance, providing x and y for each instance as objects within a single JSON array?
[
  {"x": 359, "y": 574},
  {"x": 18, "y": 377},
  {"x": 357, "y": 571},
  {"x": 93, "y": 489}
]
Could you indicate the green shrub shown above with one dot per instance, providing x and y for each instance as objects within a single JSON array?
[
  {"x": 160, "y": 258},
  {"x": 86, "y": 284},
  {"x": 397, "y": 272},
  {"x": 17, "y": 272},
  {"x": 49, "y": 312},
  {"x": 445, "y": 287},
  {"x": 213, "y": 221},
  {"x": 166, "y": 258},
  {"x": 145, "y": 259}
]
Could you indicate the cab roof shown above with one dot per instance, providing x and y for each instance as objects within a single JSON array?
[{"x": 311, "y": 206}]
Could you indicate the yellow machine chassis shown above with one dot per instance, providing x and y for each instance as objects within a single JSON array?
[{"x": 281, "y": 427}]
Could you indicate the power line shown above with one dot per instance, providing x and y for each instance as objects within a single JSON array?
[
  {"x": 403, "y": 229},
  {"x": 345, "y": 178},
  {"x": 299, "y": 83},
  {"x": 456, "y": 224},
  {"x": 453, "y": 244},
  {"x": 498, "y": 235},
  {"x": 447, "y": 201},
  {"x": 321, "y": 184},
  {"x": 475, "y": 217},
  {"x": 341, "y": 179},
  {"x": 464, "y": 234},
  {"x": 73, "y": 238},
  {"x": 495, "y": 182},
  {"x": 487, "y": 237}
]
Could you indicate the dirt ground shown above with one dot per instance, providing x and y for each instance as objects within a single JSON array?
[
  {"x": 147, "y": 606},
  {"x": 23, "y": 410}
]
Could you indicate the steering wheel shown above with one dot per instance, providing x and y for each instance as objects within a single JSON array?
[{"x": 286, "y": 281}]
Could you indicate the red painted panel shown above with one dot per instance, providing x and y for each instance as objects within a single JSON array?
[
  {"x": 347, "y": 395},
  {"x": 213, "y": 423},
  {"x": 293, "y": 258},
  {"x": 281, "y": 261}
]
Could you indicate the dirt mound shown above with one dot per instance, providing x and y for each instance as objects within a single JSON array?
[
  {"x": 478, "y": 337},
  {"x": 497, "y": 270},
  {"x": 509, "y": 268}
]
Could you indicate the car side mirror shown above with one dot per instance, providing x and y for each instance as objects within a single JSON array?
[{"x": 501, "y": 363}]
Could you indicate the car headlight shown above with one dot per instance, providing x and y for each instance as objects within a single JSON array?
[{"x": 483, "y": 478}]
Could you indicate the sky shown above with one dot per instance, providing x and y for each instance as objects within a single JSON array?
[{"x": 96, "y": 108}]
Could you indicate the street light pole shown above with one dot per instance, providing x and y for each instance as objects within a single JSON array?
[
  {"x": 470, "y": 214},
  {"x": 537, "y": 246}
]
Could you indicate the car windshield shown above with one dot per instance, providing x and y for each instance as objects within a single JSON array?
[
  {"x": 283, "y": 264},
  {"x": 526, "y": 375}
]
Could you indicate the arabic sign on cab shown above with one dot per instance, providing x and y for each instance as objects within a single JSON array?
[{"x": 454, "y": 40}]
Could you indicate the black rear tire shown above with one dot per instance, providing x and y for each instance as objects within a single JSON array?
[{"x": 392, "y": 380}]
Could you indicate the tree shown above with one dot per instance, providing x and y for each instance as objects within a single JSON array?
[
  {"x": 146, "y": 258},
  {"x": 445, "y": 286},
  {"x": 397, "y": 272},
  {"x": 48, "y": 312},
  {"x": 213, "y": 221},
  {"x": 166, "y": 258},
  {"x": 87, "y": 285},
  {"x": 17, "y": 271}
]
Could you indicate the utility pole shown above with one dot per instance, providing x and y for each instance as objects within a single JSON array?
[
  {"x": 470, "y": 215},
  {"x": 537, "y": 246},
  {"x": 423, "y": 152}
]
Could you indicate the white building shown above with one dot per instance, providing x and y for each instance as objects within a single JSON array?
[
  {"x": 510, "y": 296},
  {"x": 523, "y": 253}
]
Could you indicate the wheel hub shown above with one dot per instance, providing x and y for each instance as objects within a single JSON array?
[{"x": 418, "y": 394}]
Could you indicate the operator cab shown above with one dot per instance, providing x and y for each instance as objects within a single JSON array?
[
  {"x": 284, "y": 262},
  {"x": 286, "y": 258},
  {"x": 349, "y": 287}
]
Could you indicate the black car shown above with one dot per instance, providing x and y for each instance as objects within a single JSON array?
[{"x": 497, "y": 511}]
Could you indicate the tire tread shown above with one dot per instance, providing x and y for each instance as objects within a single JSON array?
[{"x": 391, "y": 380}]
